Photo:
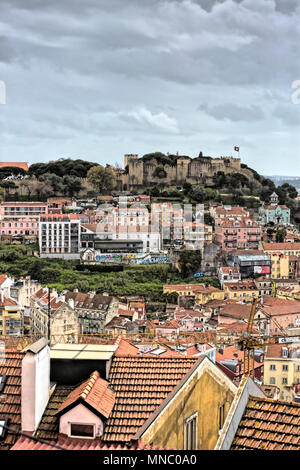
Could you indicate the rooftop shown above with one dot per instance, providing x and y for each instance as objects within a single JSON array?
[
  {"x": 268, "y": 425},
  {"x": 141, "y": 384},
  {"x": 10, "y": 404}
]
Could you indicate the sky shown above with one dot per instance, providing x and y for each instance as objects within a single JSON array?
[{"x": 96, "y": 79}]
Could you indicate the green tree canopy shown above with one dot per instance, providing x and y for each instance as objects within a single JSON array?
[{"x": 103, "y": 179}]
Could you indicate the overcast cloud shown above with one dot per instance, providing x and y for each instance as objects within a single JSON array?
[{"x": 95, "y": 79}]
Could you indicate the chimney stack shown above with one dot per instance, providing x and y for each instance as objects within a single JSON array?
[{"x": 35, "y": 384}]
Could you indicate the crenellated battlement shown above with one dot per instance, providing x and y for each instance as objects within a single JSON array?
[{"x": 157, "y": 168}]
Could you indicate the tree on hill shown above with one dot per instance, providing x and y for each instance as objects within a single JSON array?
[
  {"x": 62, "y": 167},
  {"x": 189, "y": 262},
  {"x": 103, "y": 179}
]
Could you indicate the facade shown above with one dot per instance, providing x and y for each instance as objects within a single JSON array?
[
  {"x": 250, "y": 263},
  {"x": 282, "y": 314},
  {"x": 282, "y": 369},
  {"x": 274, "y": 213},
  {"x": 23, "y": 289},
  {"x": 21, "y": 218},
  {"x": 264, "y": 285},
  {"x": 244, "y": 291},
  {"x": 201, "y": 293},
  {"x": 11, "y": 317},
  {"x": 285, "y": 259},
  {"x": 238, "y": 232},
  {"x": 53, "y": 312},
  {"x": 59, "y": 236},
  {"x": 94, "y": 311},
  {"x": 222, "y": 212},
  {"x": 228, "y": 274}
]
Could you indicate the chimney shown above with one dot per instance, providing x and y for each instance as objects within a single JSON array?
[
  {"x": 35, "y": 384},
  {"x": 71, "y": 303}
]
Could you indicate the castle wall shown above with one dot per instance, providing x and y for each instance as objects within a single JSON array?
[{"x": 186, "y": 170}]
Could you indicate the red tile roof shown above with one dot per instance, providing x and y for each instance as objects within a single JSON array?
[
  {"x": 236, "y": 310},
  {"x": 141, "y": 384},
  {"x": 23, "y": 165},
  {"x": 95, "y": 392},
  {"x": 268, "y": 425},
  {"x": 10, "y": 404},
  {"x": 7, "y": 302},
  {"x": 68, "y": 443},
  {"x": 281, "y": 246}
]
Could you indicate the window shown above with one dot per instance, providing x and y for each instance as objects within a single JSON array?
[
  {"x": 272, "y": 367},
  {"x": 272, "y": 380},
  {"x": 285, "y": 367},
  {"x": 284, "y": 380},
  {"x": 3, "y": 430},
  {"x": 190, "y": 432},
  {"x": 82, "y": 430},
  {"x": 221, "y": 416},
  {"x": 2, "y": 381}
]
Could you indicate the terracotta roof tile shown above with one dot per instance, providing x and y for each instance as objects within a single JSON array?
[
  {"x": 68, "y": 443},
  {"x": 95, "y": 392},
  {"x": 141, "y": 384},
  {"x": 269, "y": 425},
  {"x": 10, "y": 408}
]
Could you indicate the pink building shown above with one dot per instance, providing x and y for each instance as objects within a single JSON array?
[
  {"x": 238, "y": 232},
  {"x": 21, "y": 218}
]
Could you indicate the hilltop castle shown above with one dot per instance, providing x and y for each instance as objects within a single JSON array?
[{"x": 152, "y": 169}]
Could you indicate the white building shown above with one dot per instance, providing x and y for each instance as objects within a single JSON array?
[{"x": 59, "y": 236}]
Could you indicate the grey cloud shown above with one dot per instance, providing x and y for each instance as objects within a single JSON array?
[{"x": 233, "y": 112}]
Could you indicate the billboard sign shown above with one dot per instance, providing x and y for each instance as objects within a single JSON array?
[{"x": 262, "y": 269}]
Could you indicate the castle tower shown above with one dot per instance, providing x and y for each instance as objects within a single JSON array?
[{"x": 129, "y": 156}]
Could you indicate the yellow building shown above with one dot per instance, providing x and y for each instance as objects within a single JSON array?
[
  {"x": 200, "y": 292},
  {"x": 244, "y": 291},
  {"x": 282, "y": 369},
  {"x": 280, "y": 254},
  {"x": 194, "y": 413},
  {"x": 11, "y": 317},
  {"x": 292, "y": 293}
]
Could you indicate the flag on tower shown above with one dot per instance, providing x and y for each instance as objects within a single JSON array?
[{"x": 237, "y": 149}]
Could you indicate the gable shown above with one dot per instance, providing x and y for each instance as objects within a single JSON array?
[{"x": 202, "y": 393}]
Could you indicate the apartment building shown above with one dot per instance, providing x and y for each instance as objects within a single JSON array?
[
  {"x": 222, "y": 212},
  {"x": 94, "y": 311},
  {"x": 11, "y": 316},
  {"x": 244, "y": 291},
  {"x": 59, "y": 236},
  {"x": 52, "y": 310},
  {"x": 23, "y": 289},
  {"x": 201, "y": 293},
  {"x": 238, "y": 232},
  {"x": 228, "y": 274},
  {"x": 21, "y": 218},
  {"x": 285, "y": 259},
  {"x": 282, "y": 369}
]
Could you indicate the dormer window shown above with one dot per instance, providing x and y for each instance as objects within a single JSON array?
[
  {"x": 84, "y": 412},
  {"x": 82, "y": 430}
]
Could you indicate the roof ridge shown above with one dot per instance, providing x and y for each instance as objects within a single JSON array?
[{"x": 90, "y": 384}]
